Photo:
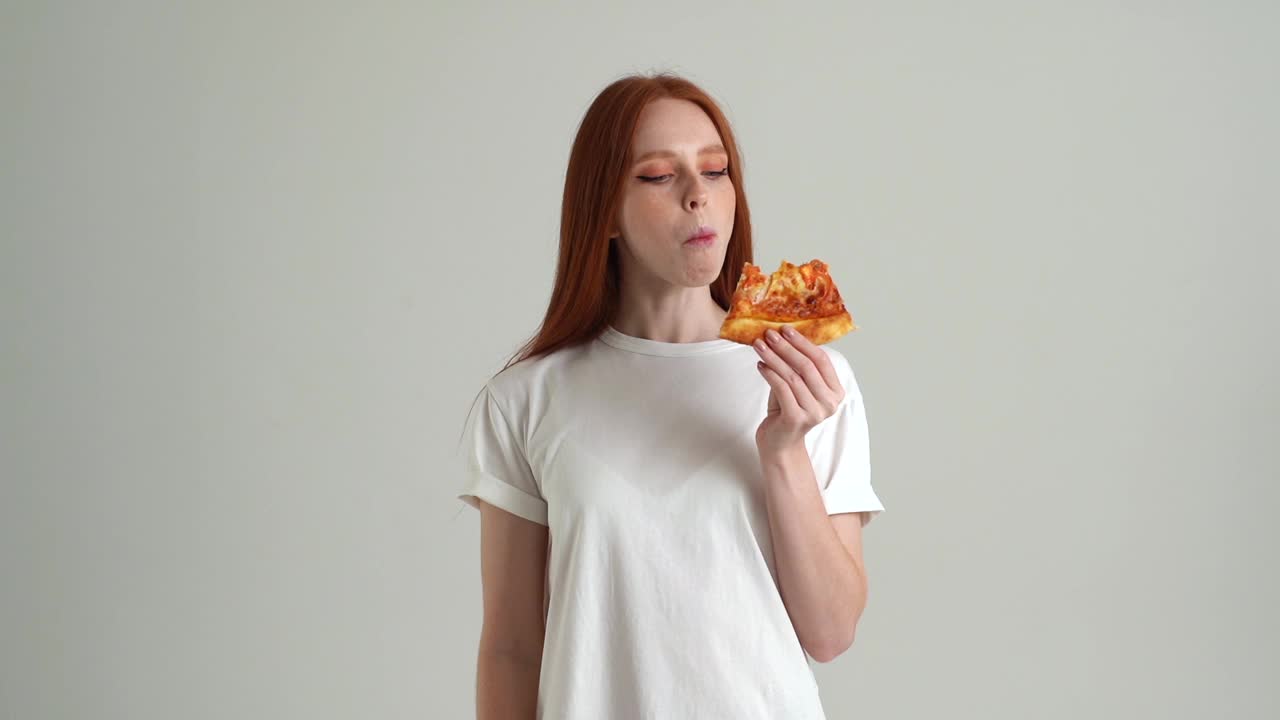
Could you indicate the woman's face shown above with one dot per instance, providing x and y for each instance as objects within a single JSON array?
[{"x": 677, "y": 182}]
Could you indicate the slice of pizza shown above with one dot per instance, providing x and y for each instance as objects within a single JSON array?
[{"x": 802, "y": 296}]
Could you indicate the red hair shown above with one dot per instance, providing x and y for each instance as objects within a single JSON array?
[{"x": 585, "y": 295}]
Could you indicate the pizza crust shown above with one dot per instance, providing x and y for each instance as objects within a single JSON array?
[{"x": 747, "y": 330}]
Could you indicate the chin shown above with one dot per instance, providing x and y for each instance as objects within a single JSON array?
[{"x": 701, "y": 276}]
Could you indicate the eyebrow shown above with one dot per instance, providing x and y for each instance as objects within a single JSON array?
[{"x": 708, "y": 150}]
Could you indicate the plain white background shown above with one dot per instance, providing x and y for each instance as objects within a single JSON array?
[{"x": 259, "y": 257}]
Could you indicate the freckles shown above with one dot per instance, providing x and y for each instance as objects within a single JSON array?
[{"x": 657, "y": 204}]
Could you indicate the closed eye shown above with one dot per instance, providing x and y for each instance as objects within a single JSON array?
[{"x": 659, "y": 178}]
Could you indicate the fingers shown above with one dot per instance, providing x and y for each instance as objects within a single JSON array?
[
  {"x": 782, "y": 392},
  {"x": 810, "y": 362},
  {"x": 803, "y": 345},
  {"x": 798, "y": 381}
]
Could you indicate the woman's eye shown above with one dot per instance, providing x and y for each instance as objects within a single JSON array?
[{"x": 659, "y": 178}]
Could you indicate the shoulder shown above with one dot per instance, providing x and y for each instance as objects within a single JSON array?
[{"x": 522, "y": 382}]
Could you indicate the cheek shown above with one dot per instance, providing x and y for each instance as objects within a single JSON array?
[
  {"x": 637, "y": 212},
  {"x": 646, "y": 208},
  {"x": 726, "y": 197}
]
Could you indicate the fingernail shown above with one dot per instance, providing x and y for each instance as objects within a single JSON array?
[
  {"x": 772, "y": 335},
  {"x": 789, "y": 330}
]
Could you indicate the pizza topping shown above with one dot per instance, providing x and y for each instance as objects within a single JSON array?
[{"x": 794, "y": 292}]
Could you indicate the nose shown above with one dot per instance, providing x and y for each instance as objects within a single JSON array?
[{"x": 695, "y": 197}]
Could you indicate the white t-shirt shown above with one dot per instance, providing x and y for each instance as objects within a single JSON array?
[{"x": 640, "y": 456}]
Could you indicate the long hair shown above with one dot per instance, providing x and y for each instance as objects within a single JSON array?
[{"x": 585, "y": 295}]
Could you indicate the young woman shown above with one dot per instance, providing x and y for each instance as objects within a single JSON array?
[{"x": 670, "y": 522}]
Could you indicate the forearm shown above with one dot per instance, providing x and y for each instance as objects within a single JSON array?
[
  {"x": 823, "y": 588},
  {"x": 507, "y": 686}
]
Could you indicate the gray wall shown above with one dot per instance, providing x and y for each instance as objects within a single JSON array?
[{"x": 235, "y": 364}]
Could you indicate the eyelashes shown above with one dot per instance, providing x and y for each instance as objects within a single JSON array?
[{"x": 658, "y": 178}]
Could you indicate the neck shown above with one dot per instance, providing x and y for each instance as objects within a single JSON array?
[{"x": 694, "y": 318}]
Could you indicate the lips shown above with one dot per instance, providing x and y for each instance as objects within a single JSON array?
[{"x": 703, "y": 232}]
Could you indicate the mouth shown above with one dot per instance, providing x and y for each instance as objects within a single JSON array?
[{"x": 704, "y": 235}]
